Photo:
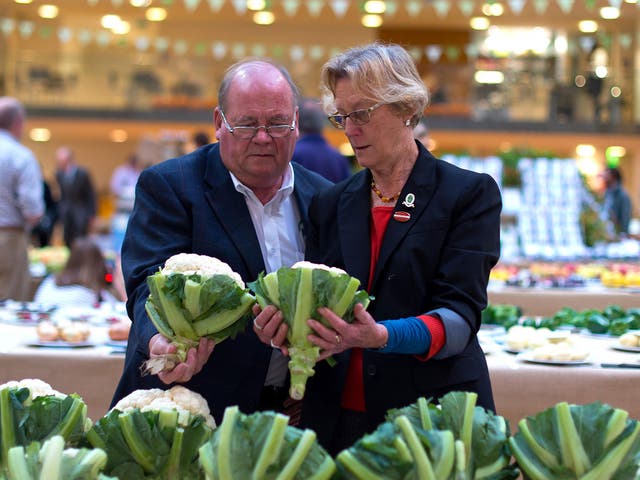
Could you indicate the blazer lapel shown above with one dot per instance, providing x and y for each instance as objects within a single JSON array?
[
  {"x": 229, "y": 207},
  {"x": 414, "y": 200},
  {"x": 354, "y": 229}
]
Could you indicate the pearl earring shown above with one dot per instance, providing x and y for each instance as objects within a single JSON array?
[{"x": 408, "y": 122}]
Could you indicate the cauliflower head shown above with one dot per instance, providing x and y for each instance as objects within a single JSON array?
[
  {"x": 37, "y": 387},
  {"x": 321, "y": 266},
  {"x": 177, "y": 398},
  {"x": 192, "y": 263}
]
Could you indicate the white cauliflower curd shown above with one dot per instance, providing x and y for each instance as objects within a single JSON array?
[{"x": 192, "y": 263}]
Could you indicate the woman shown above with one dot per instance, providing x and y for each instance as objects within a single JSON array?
[
  {"x": 419, "y": 233},
  {"x": 82, "y": 281}
]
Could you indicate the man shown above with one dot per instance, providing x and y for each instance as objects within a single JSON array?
[
  {"x": 21, "y": 201},
  {"x": 239, "y": 200},
  {"x": 77, "y": 203},
  {"x": 312, "y": 150},
  {"x": 616, "y": 208}
]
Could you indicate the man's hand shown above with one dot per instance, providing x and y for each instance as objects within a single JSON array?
[{"x": 183, "y": 372}]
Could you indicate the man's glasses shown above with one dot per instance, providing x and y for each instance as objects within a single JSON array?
[
  {"x": 358, "y": 117},
  {"x": 247, "y": 133}
]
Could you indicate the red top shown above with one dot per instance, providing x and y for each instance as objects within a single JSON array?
[{"x": 353, "y": 394}]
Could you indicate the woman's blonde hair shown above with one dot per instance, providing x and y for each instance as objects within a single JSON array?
[
  {"x": 85, "y": 266},
  {"x": 380, "y": 73}
]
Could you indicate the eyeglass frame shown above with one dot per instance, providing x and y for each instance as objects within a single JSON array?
[
  {"x": 341, "y": 126},
  {"x": 255, "y": 129}
]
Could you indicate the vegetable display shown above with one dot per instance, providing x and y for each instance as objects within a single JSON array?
[
  {"x": 587, "y": 442},
  {"x": 298, "y": 291},
  {"x": 195, "y": 296},
  {"x": 453, "y": 440},
  {"x": 262, "y": 446}
]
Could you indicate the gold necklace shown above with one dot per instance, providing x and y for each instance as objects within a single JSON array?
[{"x": 381, "y": 196}]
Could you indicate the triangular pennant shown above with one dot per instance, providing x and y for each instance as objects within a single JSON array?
[
  {"x": 116, "y": 3},
  {"x": 26, "y": 29},
  {"x": 516, "y": 6},
  {"x": 433, "y": 52},
  {"x": 315, "y": 7},
  {"x": 316, "y": 52},
  {"x": 65, "y": 34},
  {"x": 441, "y": 7},
  {"x": 413, "y": 7},
  {"x": 7, "y": 25},
  {"x": 586, "y": 43},
  {"x": 45, "y": 31},
  {"x": 565, "y": 5},
  {"x": 191, "y": 5},
  {"x": 259, "y": 50},
  {"x": 540, "y": 6},
  {"x": 290, "y": 7},
  {"x": 471, "y": 50},
  {"x": 161, "y": 44},
  {"x": 141, "y": 44},
  {"x": 466, "y": 7},
  {"x": 180, "y": 47},
  {"x": 240, "y": 6},
  {"x": 103, "y": 38},
  {"x": 296, "y": 53},
  {"x": 625, "y": 40},
  {"x": 415, "y": 53},
  {"x": 604, "y": 39},
  {"x": 452, "y": 52},
  {"x": 84, "y": 36},
  {"x": 200, "y": 48},
  {"x": 215, "y": 5},
  {"x": 392, "y": 8},
  {"x": 590, "y": 4},
  {"x": 615, "y": 3},
  {"x": 339, "y": 7},
  {"x": 92, "y": 2},
  {"x": 238, "y": 51},
  {"x": 219, "y": 50},
  {"x": 277, "y": 51}
]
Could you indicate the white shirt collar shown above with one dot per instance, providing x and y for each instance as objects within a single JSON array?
[{"x": 286, "y": 188}]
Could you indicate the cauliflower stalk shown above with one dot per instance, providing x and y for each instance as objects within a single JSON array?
[
  {"x": 195, "y": 296},
  {"x": 154, "y": 434}
]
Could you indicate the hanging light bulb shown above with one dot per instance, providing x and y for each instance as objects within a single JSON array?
[
  {"x": 371, "y": 21},
  {"x": 256, "y": 5},
  {"x": 264, "y": 17},
  {"x": 375, "y": 7}
]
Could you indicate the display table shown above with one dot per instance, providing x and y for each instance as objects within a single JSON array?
[
  {"x": 547, "y": 301},
  {"x": 521, "y": 388}
]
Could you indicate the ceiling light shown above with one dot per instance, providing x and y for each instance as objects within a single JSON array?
[
  {"x": 156, "y": 14},
  {"x": 256, "y": 5},
  {"x": 110, "y": 21},
  {"x": 40, "y": 134},
  {"x": 48, "y": 11},
  {"x": 24, "y": 2},
  {"x": 610, "y": 13},
  {"x": 140, "y": 3},
  {"x": 264, "y": 18},
  {"x": 375, "y": 6},
  {"x": 587, "y": 26},
  {"x": 479, "y": 23},
  {"x": 585, "y": 150},
  {"x": 371, "y": 21},
  {"x": 122, "y": 28},
  {"x": 615, "y": 151},
  {"x": 492, "y": 77},
  {"x": 492, "y": 9}
]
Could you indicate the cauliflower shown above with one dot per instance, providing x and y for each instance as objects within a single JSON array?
[
  {"x": 176, "y": 398},
  {"x": 37, "y": 387},
  {"x": 321, "y": 266},
  {"x": 192, "y": 263}
]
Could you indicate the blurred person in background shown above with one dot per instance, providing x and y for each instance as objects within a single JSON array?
[
  {"x": 419, "y": 233},
  {"x": 124, "y": 177},
  {"x": 312, "y": 149},
  {"x": 77, "y": 205},
  {"x": 43, "y": 230},
  {"x": 82, "y": 282},
  {"x": 616, "y": 207},
  {"x": 21, "y": 201},
  {"x": 200, "y": 139}
]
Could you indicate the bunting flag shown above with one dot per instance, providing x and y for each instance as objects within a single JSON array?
[
  {"x": 45, "y": 32},
  {"x": 103, "y": 38},
  {"x": 625, "y": 40},
  {"x": 516, "y": 6},
  {"x": 161, "y": 44},
  {"x": 26, "y": 29},
  {"x": 238, "y": 51},
  {"x": 259, "y": 50},
  {"x": 565, "y": 5},
  {"x": 590, "y": 4},
  {"x": 540, "y": 6},
  {"x": 296, "y": 53},
  {"x": 200, "y": 49},
  {"x": 415, "y": 53},
  {"x": 141, "y": 44},
  {"x": 586, "y": 43},
  {"x": 218, "y": 50},
  {"x": 191, "y": 5},
  {"x": 7, "y": 25},
  {"x": 441, "y": 7},
  {"x": 116, "y": 3},
  {"x": 290, "y": 7},
  {"x": 339, "y": 7},
  {"x": 65, "y": 34},
  {"x": 240, "y": 6},
  {"x": 466, "y": 7},
  {"x": 471, "y": 50},
  {"x": 433, "y": 52},
  {"x": 314, "y": 7},
  {"x": 413, "y": 7},
  {"x": 180, "y": 47},
  {"x": 615, "y": 3},
  {"x": 452, "y": 52},
  {"x": 84, "y": 36},
  {"x": 316, "y": 52},
  {"x": 215, "y": 5},
  {"x": 392, "y": 8}
]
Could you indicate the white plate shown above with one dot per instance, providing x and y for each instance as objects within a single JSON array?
[
  {"x": 515, "y": 351},
  {"x": 528, "y": 357},
  {"x": 116, "y": 343},
  {"x": 61, "y": 344},
  {"x": 625, "y": 348}
]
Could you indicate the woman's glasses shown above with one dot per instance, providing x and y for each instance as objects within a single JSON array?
[{"x": 358, "y": 117}]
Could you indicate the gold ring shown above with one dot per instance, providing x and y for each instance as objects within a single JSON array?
[
  {"x": 338, "y": 339},
  {"x": 255, "y": 324}
]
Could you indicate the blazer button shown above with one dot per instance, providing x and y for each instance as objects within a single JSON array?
[{"x": 371, "y": 370}]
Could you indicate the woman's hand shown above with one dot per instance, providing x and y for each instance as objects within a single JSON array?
[
  {"x": 182, "y": 372},
  {"x": 270, "y": 328},
  {"x": 363, "y": 332}
]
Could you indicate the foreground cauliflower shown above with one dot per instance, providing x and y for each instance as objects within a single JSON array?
[
  {"x": 192, "y": 264},
  {"x": 37, "y": 387},
  {"x": 178, "y": 398}
]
